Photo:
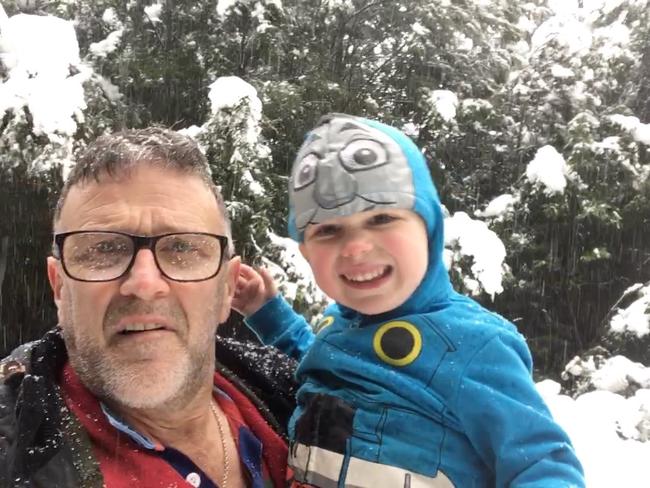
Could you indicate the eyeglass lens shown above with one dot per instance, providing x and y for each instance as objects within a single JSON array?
[{"x": 103, "y": 256}]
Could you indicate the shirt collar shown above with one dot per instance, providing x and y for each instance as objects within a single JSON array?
[{"x": 120, "y": 424}]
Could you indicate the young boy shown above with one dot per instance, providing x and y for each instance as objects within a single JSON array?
[{"x": 405, "y": 383}]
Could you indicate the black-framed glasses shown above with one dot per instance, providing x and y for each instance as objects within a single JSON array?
[{"x": 96, "y": 255}]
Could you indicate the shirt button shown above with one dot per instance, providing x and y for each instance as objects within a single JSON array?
[{"x": 193, "y": 479}]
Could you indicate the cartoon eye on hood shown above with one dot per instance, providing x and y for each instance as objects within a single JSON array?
[
  {"x": 305, "y": 171},
  {"x": 363, "y": 154}
]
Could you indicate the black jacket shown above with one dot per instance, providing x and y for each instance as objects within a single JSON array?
[{"x": 42, "y": 445}]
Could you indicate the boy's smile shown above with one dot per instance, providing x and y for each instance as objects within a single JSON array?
[
  {"x": 369, "y": 278},
  {"x": 370, "y": 261}
]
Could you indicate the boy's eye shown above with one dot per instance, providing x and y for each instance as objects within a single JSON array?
[
  {"x": 324, "y": 231},
  {"x": 382, "y": 218}
]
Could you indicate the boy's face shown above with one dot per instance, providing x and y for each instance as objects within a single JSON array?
[{"x": 370, "y": 261}]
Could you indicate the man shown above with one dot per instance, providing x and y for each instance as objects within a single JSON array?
[{"x": 124, "y": 392}]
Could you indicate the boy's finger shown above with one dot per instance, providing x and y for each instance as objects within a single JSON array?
[
  {"x": 246, "y": 271},
  {"x": 241, "y": 279},
  {"x": 269, "y": 282}
]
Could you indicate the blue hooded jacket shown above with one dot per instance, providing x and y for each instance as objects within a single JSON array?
[{"x": 436, "y": 392}]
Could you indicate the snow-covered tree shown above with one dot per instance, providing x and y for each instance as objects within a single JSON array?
[
  {"x": 532, "y": 115},
  {"x": 51, "y": 103}
]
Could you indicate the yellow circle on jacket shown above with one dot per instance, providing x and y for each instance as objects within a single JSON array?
[{"x": 397, "y": 343}]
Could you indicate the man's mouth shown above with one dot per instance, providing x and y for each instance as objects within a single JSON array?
[
  {"x": 141, "y": 327},
  {"x": 135, "y": 324}
]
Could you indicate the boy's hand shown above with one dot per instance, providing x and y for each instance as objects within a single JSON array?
[{"x": 254, "y": 288}]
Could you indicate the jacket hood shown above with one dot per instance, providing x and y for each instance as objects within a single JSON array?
[{"x": 350, "y": 164}]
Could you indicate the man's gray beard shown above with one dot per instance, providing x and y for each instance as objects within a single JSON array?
[{"x": 134, "y": 386}]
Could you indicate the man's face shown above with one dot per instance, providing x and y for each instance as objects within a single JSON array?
[
  {"x": 153, "y": 367},
  {"x": 370, "y": 261}
]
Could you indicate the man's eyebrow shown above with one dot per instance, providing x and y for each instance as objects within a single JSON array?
[{"x": 156, "y": 231}]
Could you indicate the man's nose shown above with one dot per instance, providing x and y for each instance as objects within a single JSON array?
[
  {"x": 356, "y": 244},
  {"x": 144, "y": 280}
]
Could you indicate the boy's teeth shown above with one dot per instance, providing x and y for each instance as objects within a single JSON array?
[
  {"x": 365, "y": 276},
  {"x": 142, "y": 327}
]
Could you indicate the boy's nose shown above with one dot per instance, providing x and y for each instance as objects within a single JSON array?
[{"x": 356, "y": 246}]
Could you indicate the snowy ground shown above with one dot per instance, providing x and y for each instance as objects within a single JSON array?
[{"x": 598, "y": 424}]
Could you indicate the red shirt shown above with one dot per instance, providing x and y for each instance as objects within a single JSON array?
[{"x": 126, "y": 462}]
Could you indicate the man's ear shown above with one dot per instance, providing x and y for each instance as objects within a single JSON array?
[
  {"x": 55, "y": 276},
  {"x": 232, "y": 275}
]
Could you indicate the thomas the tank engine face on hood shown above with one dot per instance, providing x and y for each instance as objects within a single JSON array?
[{"x": 344, "y": 167}]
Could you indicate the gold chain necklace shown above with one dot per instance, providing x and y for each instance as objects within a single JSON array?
[{"x": 226, "y": 459}]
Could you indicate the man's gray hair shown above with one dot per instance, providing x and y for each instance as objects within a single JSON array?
[{"x": 118, "y": 154}]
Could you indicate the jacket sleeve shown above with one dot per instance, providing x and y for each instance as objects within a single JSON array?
[
  {"x": 277, "y": 324},
  {"x": 508, "y": 422}
]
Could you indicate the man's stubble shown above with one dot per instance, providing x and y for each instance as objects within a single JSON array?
[{"x": 138, "y": 384}]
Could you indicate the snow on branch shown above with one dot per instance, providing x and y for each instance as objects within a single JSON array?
[
  {"x": 640, "y": 132},
  {"x": 634, "y": 318},
  {"x": 549, "y": 170},
  {"x": 467, "y": 237}
]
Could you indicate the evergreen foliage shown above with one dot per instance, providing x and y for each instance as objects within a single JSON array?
[{"x": 570, "y": 254}]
